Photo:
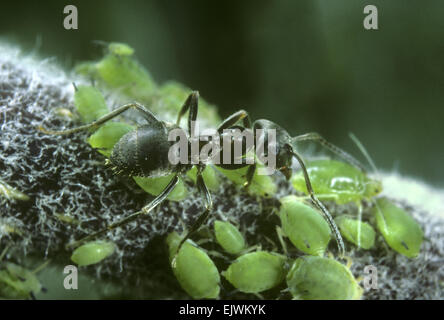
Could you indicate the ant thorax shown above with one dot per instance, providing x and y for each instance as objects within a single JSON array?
[{"x": 231, "y": 148}]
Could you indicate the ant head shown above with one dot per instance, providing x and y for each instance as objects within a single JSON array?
[{"x": 270, "y": 133}]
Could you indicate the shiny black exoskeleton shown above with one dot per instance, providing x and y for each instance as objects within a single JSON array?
[{"x": 145, "y": 152}]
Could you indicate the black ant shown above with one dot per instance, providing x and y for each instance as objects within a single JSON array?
[{"x": 144, "y": 152}]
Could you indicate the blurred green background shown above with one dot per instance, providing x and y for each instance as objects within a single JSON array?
[{"x": 308, "y": 65}]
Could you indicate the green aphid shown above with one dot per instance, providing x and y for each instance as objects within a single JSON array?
[
  {"x": 6, "y": 229},
  {"x": 400, "y": 230},
  {"x": 90, "y": 103},
  {"x": 262, "y": 185},
  {"x": 195, "y": 271},
  {"x": 156, "y": 185},
  {"x": 63, "y": 112},
  {"x": 66, "y": 218},
  {"x": 92, "y": 252},
  {"x": 337, "y": 181},
  {"x": 318, "y": 278},
  {"x": 209, "y": 175},
  {"x": 120, "y": 49},
  {"x": 87, "y": 69},
  {"x": 304, "y": 226},
  {"x": 107, "y": 136},
  {"x": 124, "y": 73},
  {"x": 17, "y": 282},
  {"x": 350, "y": 229},
  {"x": 11, "y": 193},
  {"x": 229, "y": 237},
  {"x": 256, "y": 271}
]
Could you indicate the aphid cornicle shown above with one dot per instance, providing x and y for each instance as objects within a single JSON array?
[{"x": 144, "y": 152}]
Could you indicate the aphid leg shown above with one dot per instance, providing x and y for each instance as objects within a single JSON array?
[
  {"x": 5, "y": 250},
  {"x": 324, "y": 196},
  {"x": 280, "y": 234},
  {"x": 95, "y": 124},
  {"x": 359, "y": 204},
  {"x": 41, "y": 267},
  {"x": 145, "y": 210},
  {"x": 349, "y": 262},
  {"x": 208, "y": 208},
  {"x": 338, "y": 151},
  {"x": 217, "y": 254},
  {"x": 320, "y": 206},
  {"x": 258, "y": 296},
  {"x": 192, "y": 104}
]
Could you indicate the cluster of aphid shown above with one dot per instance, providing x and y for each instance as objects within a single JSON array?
[{"x": 311, "y": 276}]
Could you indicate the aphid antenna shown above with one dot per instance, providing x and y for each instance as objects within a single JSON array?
[
  {"x": 100, "y": 43},
  {"x": 375, "y": 170},
  {"x": 365, "y": 153},
  {"x": 313, "y": 136}
]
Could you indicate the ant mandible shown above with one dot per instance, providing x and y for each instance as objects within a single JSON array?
[{"x": 144, "y": 152}]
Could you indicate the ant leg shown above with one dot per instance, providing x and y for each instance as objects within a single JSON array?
[
  {"x": 233, "y": 119},
  {"x": 320, "y": 206},
  {"x": 229, "y": 122},
  {"x": 208, "y": 208},
  {"x": 338, "y": 151},
  {"x": 191, "y": 104},
  {"x": 145, "y": 210},
  {"x": 95, "y": 124}
]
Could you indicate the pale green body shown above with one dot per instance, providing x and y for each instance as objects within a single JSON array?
[
  {"x": 317, "y": 278},
  {"x": 89, "y": 103},
  {"x": 261, "y": 185},
  {"x": 11, "y": 193},
  {"x": 304, "y": 226},
  {"x": 195, "y": 271},
  {"x": 337, "y": 181},
  {"x": 350, "y": 229},
  {"x": 17, "y": 282},
  {"x": 120, "y": 49},
  {"x": 92, "y": 253},
  {"x": 400, "y": 230},
  {"x": 209, "y": 175},
  {"x": 256, "y": 272},
  {"x": 107, "y": 136},
  {"x": 229, "y": 237},
  {"x": 156, "y": 185}
]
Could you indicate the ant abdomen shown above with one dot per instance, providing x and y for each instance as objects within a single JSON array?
[{"x": 143, "y": 152}]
